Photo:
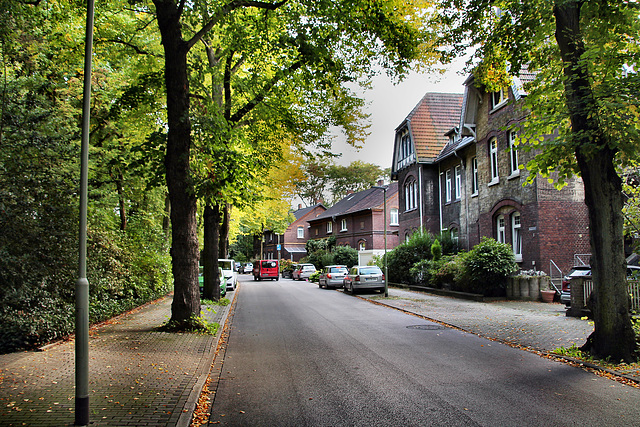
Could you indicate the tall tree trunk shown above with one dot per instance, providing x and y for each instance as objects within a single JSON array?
[
  {"x": 184, "y": 238},
  {"x": 224, "y": 231},
  {"x": 166, "y": 219},
  {"x": 210, "y": 262},
  {"x": 613, "y": 335}
]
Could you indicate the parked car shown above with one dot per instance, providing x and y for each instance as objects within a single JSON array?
[
  {"x": 303, "y": 271},
  {"x": 266, "y": 269},
  {"x": 364, "y": 277},
  {"x": 287, "y": 271},
  {"x": 229, "y": 268},
  {"x": 633, "y": 271},
  {"x": 247, "y": 268},
  {"x": 332, "y": 276},
  {"x": 223, "y": 282}
]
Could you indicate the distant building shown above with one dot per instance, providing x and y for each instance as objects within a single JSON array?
[
  {"x": 292, "y": 242},
  {"x": 357, "y": 221}
]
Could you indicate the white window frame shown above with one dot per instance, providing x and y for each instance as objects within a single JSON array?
[
  {"x": 362, "y": 245},
  {"x": 513, "y": 154},
  {"x": 499, "y": 98},
  {"x": 393, "y": 217},
  {"x": 410, "y": 195},
  {"x": 343, "y": 224},
  {"x": 300, "y": 232},
  {"x": 516, "y": 235},
  {"x": 501, "y": 234},
  {"x": 330, "y": 227},
  {"x": 458, "y": 182},
  {"x": 493, "y": 160},
  {"x": 474, "y": 176},
  {"x": 447, "y": 185}
]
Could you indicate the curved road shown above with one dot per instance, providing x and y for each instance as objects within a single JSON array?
[{"x": 298, "y": 355}]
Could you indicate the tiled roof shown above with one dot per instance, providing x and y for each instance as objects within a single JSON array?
[
  {"x": 357, "y": 202},
  {"x": 435, "y": 115},
  {"x": 304, "y": 211}
]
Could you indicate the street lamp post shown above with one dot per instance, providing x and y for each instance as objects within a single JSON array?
[{"x": 82, "y": 284}]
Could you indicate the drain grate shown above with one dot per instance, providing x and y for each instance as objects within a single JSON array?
[{"x": 426, "y": 327}]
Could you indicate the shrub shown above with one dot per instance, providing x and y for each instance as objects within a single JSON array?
[
  {"x": 486, "y": 268},
  {"x": 420, "y": 272},
  {"x": 345, "y": 255},
  {"x": 436, "y": 250},
  {"x": 406, "y": 255},
  {"x": 315, "y": 277}
]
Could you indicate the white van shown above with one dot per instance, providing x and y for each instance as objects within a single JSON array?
[{"x": 229, "y": 269}]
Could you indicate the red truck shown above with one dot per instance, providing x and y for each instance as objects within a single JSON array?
[{"x": 266, "y": 269}]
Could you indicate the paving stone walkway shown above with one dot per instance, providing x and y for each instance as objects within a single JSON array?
[{"x": 138, "y": 375}]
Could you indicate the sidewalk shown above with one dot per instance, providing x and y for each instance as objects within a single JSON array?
[
  {"x": 138, "y": 376},
  {"x": 538, "y": 326}
]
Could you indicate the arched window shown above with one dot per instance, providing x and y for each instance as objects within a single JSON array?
[
  {"x": 410, "y": 195},
  {"x": 362, "y": 245}
]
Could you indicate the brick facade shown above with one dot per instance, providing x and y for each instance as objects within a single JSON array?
[
  {"x": 552, "y": 224},
  {"x": 357, "y": 220}
]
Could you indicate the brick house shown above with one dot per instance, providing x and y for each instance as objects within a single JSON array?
[
  {"x": 294, "y": 239},
  {"x": 357, "y": 221},
  {"x": 480, "y": 188},
  {"x": 419, "y": 140}
]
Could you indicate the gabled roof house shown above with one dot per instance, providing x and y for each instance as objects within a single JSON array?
[
  {"x": 292, "y": 242},
  {"x": 418, "y": 142},
  {"x": 473, "y": 185},
  {"x": 357, "y": 221}
]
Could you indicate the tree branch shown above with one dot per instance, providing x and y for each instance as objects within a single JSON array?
[
  {"x": 264, "y": 91},
  {"x": 234, "y": 4}
]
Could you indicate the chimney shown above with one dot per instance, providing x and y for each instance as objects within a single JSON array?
[
  {"x": 299, "y": 206},
  {"x": 380, "y": 182}
]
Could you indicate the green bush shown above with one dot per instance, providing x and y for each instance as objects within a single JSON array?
[
  {"x": 344, "y": 255},
  {"x": 486, "y": 268},
  {"x": 406, "y": 255},
  {"x": 436, "y": 250},
  {"x": 315, "y": 277}
]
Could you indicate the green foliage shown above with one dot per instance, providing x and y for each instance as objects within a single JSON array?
[
  {"x": 326, "y": 244},
  {"x": 436, "y": 250},
  {"x": 324, "y": 180},
  {"x": 315, "y": 277},
  {"x": 196, "y": 324},
  {"x": 487, "y": 267},
  {"x": 128, "y": 264},
  {"x": 345, "y": 255},
  {"x": 222, "y": 302},
  {"x": 406, "y": 255}
]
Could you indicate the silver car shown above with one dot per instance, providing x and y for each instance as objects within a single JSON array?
[
  {"x": 303, "y": 271},
  {"x": 332, "y": 276},
  {"x": 364, "y": 277}
]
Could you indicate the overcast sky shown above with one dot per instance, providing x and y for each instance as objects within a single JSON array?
[{"x": 388, "y": 106}]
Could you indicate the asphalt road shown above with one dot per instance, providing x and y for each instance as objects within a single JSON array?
[{"x": 298, "y": 355}]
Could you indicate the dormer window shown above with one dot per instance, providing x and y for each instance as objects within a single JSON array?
[
  {"x": 499, "y": 98},
  {"x": 406, "y": 155}
]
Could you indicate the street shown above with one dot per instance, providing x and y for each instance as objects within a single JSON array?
[{"x": 304, "y": 356}]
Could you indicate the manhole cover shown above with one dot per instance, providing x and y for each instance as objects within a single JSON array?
[{"x": 426, "y": 327}]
